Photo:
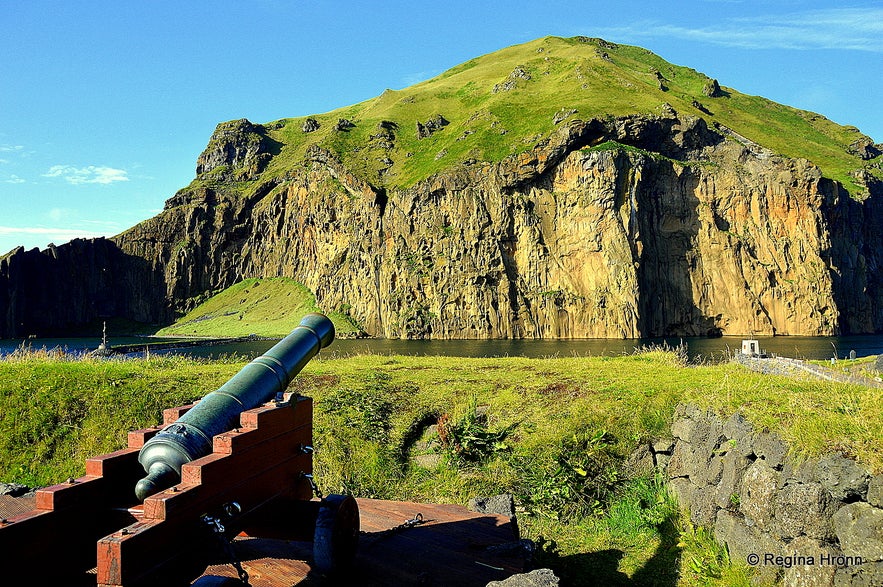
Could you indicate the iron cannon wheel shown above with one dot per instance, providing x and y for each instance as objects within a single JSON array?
[{"x": 337, "y": 533}]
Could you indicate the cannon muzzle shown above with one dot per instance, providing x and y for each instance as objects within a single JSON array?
[{"x": 190, "y": 436}]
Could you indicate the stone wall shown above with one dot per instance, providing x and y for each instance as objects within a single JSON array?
[{"x": 812, "y": 522}]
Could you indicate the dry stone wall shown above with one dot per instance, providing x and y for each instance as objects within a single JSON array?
[{"x": 815, "y": 522}]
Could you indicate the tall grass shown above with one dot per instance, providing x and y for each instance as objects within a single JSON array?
[{"x": 554, "y": 432}]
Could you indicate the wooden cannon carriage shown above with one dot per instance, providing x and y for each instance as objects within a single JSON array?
[{"x": 248, "y": 503}]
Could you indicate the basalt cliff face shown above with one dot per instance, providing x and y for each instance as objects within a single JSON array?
[
  {"x": 628, "y": 226},
  {"x": 562, "y": 241}
]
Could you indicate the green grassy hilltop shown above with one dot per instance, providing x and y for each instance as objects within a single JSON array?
[
  {"x": 506, "y": 102},
  {"x": 270, "y": 307}
]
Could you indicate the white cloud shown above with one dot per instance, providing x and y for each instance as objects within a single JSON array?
[
  {"x": 90, "y": 174},
  {"x": 858, "y": 29},
  {"x": 59, "y": 214},
  {"x": 419, "y": 76},
  {"x": 11, "y": 148},
  {"x": 14, "y": 179},
  {"x": 57, "y": 235}
]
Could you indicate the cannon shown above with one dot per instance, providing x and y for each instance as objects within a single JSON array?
[
  {"x": 190, "y": 436},
  {"x": 248, "y": 505},
  {"x": 229, "y": 473}
]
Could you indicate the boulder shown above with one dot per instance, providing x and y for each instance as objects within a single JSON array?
[
  {"x": 684, "y": 491},
  {"x": 13, "y": 489},
  {"x": 663, "y": 445},
  {"x": 344, "y": 125},
  {"x": 704, "y": 509},
  {"x": 864, "y": 575},
  {"x": 737, "y": 428},
  {"x": 843, "y": 477},
  {"x": 729, "y": 488},
  {"x": 503, "y": 504},
  {"x": 535, "y": 578},
  {"x": 859, "y": 528},
  {"x": 310, "y": 125},
  {"x": 640, "y": 463},
  {"x": 434, "y": 124},
  {"x": 875, "y": 491},
  {"x": 759, "y": 487},
  {"x": 864, "y": 148},
  {"x": 814, "y": 574},
  {"x": 803, "y": 508},
  {"x": 770, "y": 448},
  {"x": 712, "y": 89},
  {"x": 743, "y": 540}
]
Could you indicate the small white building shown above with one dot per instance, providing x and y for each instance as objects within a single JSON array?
[{"x": 750, "y": 347}]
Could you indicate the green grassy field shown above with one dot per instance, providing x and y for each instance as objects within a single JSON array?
[
  {"x": 554, "y": 432},
  {"x": 270, "y": 307}
]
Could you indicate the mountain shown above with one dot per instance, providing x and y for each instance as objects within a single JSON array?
[{"x": 559, "y": 188}]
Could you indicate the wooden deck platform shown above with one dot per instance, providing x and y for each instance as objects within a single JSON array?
[{"x": 450, "y": 548}]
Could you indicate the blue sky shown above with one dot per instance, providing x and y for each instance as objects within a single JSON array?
[{"x": 105, "y": 105}]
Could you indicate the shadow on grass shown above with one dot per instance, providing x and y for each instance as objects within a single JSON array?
[{"x": 602, "y": 567}]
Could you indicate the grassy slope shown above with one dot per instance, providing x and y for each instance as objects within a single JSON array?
[
  {"x": 569, "y": 415},
  {"x": 266, "y": 307},
  {"x": 565, "y": 74}
]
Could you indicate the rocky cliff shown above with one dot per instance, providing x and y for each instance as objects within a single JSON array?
[{"x": 645, "y": 224}]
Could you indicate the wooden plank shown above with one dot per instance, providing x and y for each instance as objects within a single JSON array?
[
  {"x": 244, "y": 438},
  {"x": 68, "y": 536},
  {"x": 169, "y": 415},
  {"x": 153, "y": 553},
  {"x": 434, "y": 553},
  {"x": 283, "y": 477},
  {"x": 80, "y": 491},
  {"x": 271, "y": 414},
  {"x": 115, "y": 463},
  {"x": 137, "y": 438},
  {"x": 261, "y": 455}
]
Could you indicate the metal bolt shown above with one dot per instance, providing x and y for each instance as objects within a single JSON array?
[
  {"x": 174, "y": 489},
  {"x": 71, "y": 480},
  {"x": 4, "y": 521},
  {"x": 236, "y": 430},
  {"x": 124, "y": 531}
]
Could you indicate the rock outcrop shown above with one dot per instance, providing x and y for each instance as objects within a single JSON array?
[
  {"x": 566, "y": 188},
  {"x": 631, "y": 227},
  {"x": 799, "y": 521},
  {"x": 63, "y": 290},
  {"x": 238, "y": 150}
]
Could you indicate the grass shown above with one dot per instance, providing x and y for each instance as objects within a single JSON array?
[
  {"x": 594, "y": 78},
  {"x": 270, "y": 307},
  {"x": 553, "y": 432}
]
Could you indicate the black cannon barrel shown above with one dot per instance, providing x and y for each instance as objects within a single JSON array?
[{"x": 190, "y": 436}]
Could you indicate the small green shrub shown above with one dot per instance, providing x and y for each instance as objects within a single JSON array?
[
  {"x": 705, "y": 558},
  {"x": 468, "y": 438},
  {"x": 641, "y": 505},
  {"x": 578, "y": 479},
  {"x": 367, "y": 410}
]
